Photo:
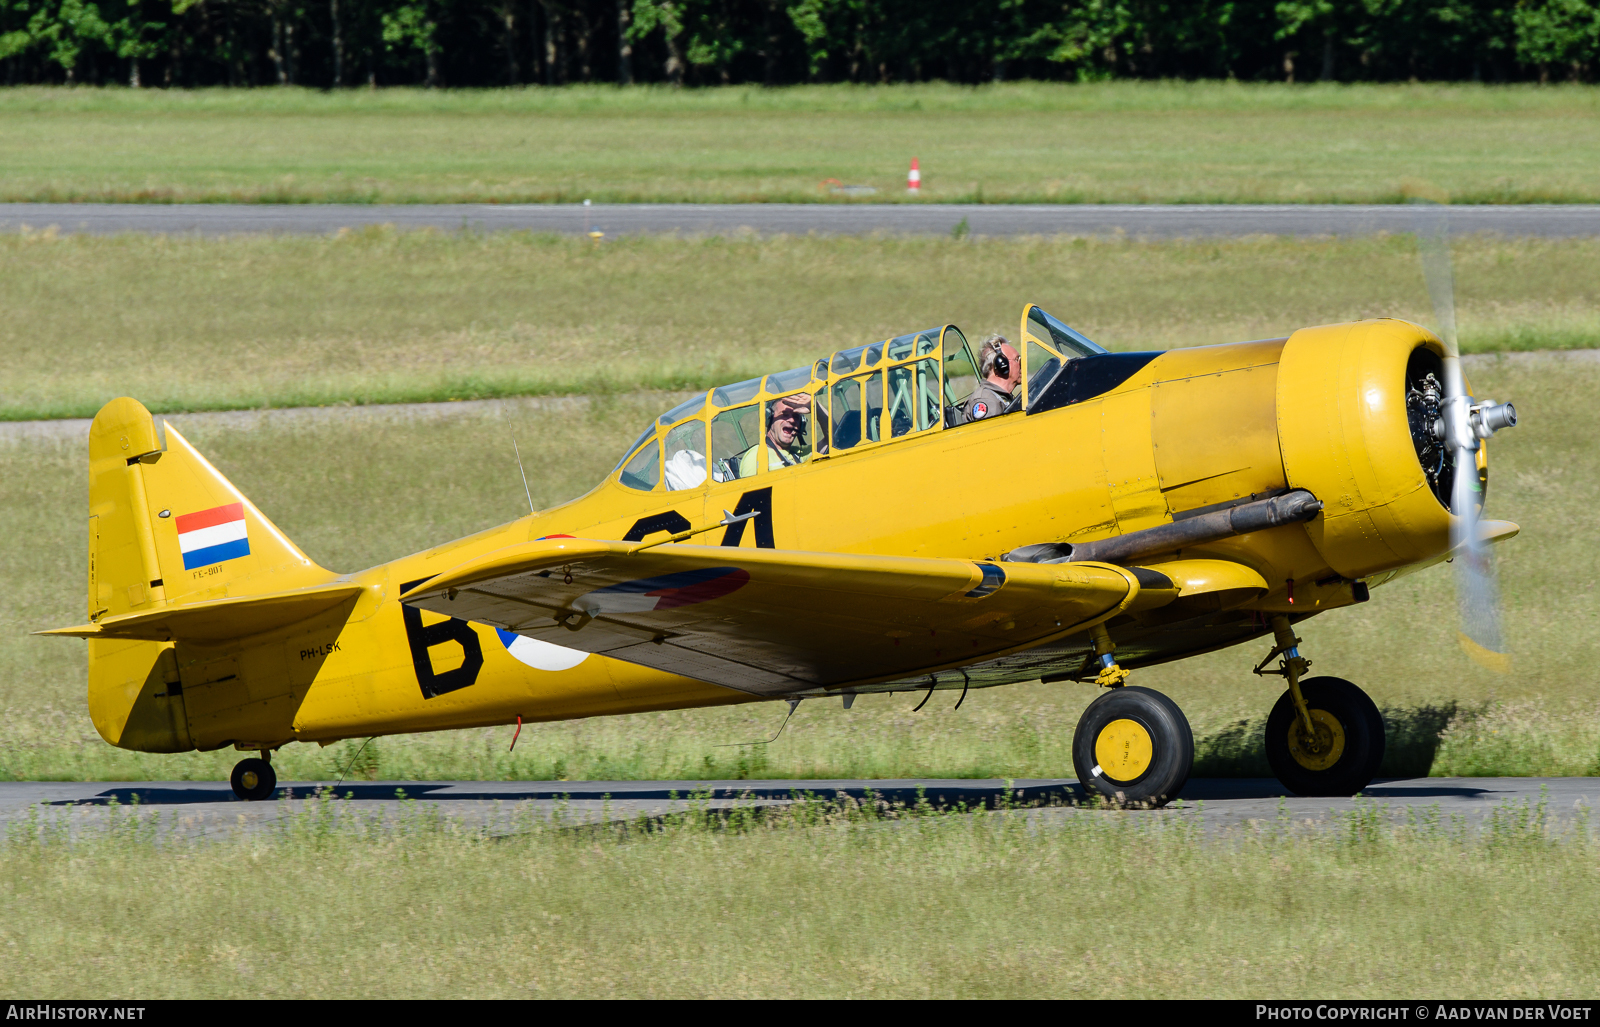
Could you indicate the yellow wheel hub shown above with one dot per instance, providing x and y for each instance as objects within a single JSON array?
[
  {"x": 1123, "y": 750},
  {"x": 1322, "y": 751},
  {"x": 249, "y": 779}
]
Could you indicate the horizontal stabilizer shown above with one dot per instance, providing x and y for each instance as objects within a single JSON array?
[{"x": 216, "y": 620}]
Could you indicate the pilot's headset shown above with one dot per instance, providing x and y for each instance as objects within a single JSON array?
[{"x": 998, "y": 362}]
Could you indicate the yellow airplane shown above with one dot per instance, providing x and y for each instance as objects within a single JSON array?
[{"x": 835, "y": 529}]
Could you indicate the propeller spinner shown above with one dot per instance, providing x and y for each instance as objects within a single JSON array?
[{"x": 1461, "y": 423}]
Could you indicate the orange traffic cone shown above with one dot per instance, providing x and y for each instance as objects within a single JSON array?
[{"x": 914, "y": 179}]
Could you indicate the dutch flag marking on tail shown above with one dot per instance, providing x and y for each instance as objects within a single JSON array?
[{"x": 212, "y": 536}]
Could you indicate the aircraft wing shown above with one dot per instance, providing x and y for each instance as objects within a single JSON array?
[{"x": 773, "y": 621}]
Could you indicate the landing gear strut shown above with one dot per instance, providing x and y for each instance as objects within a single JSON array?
[
  {"x": 1105, "y": 651},
  {"x": 254, "y": 779},
  {"x": 1324, "y": 735}
]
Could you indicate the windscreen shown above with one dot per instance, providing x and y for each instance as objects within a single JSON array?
[{"x": 1070, "y": 341}]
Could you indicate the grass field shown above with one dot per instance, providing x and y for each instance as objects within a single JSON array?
[
  {"x": 384, "y": 316},
  {"x": 356, "y": 487},
  {"x": 845, "y": 904},
  {"x": 1106, "y": 143}
]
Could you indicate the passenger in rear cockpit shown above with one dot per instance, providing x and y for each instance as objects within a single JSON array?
[
  {"x": 999, "y": 371},
  {"x": 785, "y": 441}
]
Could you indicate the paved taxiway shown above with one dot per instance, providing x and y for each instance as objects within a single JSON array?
[
  {"x": 209, "y": 809},
  {"x": 1165, "y": 221}
]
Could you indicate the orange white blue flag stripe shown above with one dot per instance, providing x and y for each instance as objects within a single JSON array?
[{"x": 212, "y": 536}]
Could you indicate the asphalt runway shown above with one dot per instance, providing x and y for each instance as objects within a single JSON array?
[
  {"x": 209, "y": 809},
  {"x": 1168, "y": 221}
]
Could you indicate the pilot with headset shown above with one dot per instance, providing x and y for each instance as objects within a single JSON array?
[
  {"x": 999, "y": 371},
  {"x": 785, "y": 442}
]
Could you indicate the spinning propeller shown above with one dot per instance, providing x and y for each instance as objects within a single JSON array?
[{"x": 1462, "y": 423}]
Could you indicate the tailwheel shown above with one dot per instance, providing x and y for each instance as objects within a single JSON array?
[
  {"x": 254, "y": 779},
  {"x": 1133, "y": 746},
  {"x": 1342, "y": 753}
]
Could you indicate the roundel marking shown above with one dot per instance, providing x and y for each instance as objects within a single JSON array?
[
  {"x": 666, "y": 592},
  {"x": 539, "y": 655}
]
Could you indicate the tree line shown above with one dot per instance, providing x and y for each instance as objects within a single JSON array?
[{"x": 343, "y": 43}]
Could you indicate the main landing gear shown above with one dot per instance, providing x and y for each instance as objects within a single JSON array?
[
  {"x": 254, "y": 779},
  {"x": 1324, "y": 735},
  {"x": 1133, "y": 745}
]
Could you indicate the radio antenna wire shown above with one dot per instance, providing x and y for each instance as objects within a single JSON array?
[{"x": 518, "y": 451}]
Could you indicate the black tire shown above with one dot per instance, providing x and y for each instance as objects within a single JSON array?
[
  {"x": 1358, "y": 746},
  {"x": 254, "y": 779},
  {"x": 1151, "y": 780}
]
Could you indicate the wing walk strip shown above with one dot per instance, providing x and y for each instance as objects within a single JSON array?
[{"x": 775, "y": 621}]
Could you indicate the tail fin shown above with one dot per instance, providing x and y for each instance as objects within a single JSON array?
[
  {"x": 165, "y": 527},
  {"x": 171, "y": 539}
]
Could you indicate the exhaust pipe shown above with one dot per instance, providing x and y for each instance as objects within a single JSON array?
[{"x": 1194, "y": 530}]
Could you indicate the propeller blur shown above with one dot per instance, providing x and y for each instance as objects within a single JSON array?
[{"x": 1462, "y": 422}]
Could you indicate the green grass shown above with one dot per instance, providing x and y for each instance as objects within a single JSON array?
[
  {"x": 1022, "y": 142},
  {"x": 356, "y": 487},
  {"x": 383, "y": 316},
  {"x": 820, "y": 903}
]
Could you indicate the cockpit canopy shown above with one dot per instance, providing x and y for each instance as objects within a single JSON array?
[{"x": 856, "y": 398}]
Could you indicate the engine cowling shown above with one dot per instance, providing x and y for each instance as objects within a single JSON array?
[{"x": 1353, "y": 432}]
